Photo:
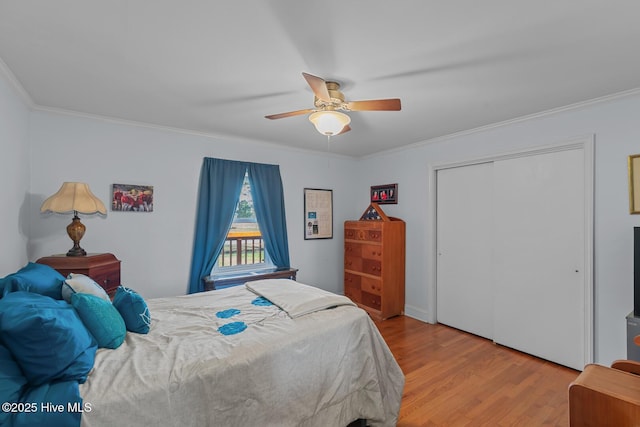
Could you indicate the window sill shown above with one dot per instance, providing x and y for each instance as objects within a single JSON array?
[{"x": 235, "y": 278}]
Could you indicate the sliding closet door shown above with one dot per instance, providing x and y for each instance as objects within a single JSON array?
[
  {"x": 539, "y": 255},
  {"x": 463, "y": 270}
]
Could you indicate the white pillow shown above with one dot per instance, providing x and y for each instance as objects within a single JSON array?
[{"x": 81, "y": 284}]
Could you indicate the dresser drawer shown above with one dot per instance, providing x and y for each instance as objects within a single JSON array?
[
  {"x": 371, "y": 300},
  {"x": 371, "y": 251},
  {"x": 352, "y": 249},
  {"x": 370, "y": 234},
  {"x": 372, "y": 266},
  {"x": 352, "y": 280},
  {"x": 109, "y": 279},
  {"x": 352, "y": 291},
  {"x": 353, "y": 263},
  {"x": 370, "y": 285}
]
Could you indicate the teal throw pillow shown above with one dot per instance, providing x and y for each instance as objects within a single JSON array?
[
  {"x": 101, "y": 319},
  {"x": 133, "y": 309}
]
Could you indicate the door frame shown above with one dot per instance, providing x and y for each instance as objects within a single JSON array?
[{"x": 584, "y": 143}]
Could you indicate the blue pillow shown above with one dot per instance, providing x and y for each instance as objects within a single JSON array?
[
  {"x": 12, "y": 382},
  {"x": 46, "y": 337},
  {"x": 33, "y": 277},
  {"x": 82, "y": 284},
  {"x": 133, "y": 310},
  {"x": 101, "y": 319}
]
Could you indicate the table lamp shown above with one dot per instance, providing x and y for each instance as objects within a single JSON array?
[{"x": 74, "y": 197}]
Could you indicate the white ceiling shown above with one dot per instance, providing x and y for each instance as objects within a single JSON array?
[{"x": 218, "y": 67}]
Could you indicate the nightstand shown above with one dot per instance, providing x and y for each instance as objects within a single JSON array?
[{"x": 103, "y": 268}]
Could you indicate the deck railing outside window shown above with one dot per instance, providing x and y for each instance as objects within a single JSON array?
[{"x": 242, "y": 248}]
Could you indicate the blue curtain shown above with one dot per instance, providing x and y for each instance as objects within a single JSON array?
[
  {"x": 268, "y": 202},
  {"x": 220, "y": 186}
]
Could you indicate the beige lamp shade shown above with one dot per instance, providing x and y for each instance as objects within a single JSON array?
[
  {"x": 329, "y": 122},
  {"x": 77, "y": 198},
  {"x": 74, "y": 197}
]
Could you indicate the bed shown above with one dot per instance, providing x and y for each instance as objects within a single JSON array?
[{"x": 276, "y": 353}]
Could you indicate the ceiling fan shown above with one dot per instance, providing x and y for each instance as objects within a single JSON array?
[{"x": 328, "y": 101}]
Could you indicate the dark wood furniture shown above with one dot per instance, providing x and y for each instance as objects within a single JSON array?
[
  {"x": 603, "y": 396},
  {"x": 374, "y": 263},
  {"x": 223, "y": 280},
  {"x": 103, "y": 268}
]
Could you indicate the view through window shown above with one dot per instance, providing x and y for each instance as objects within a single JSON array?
[{"x": 244, "y": 247}]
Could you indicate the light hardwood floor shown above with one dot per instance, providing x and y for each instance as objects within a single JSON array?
[{"x": 457, "y": 379}]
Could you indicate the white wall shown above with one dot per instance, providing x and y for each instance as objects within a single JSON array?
[
  {"x": 155, "y": 248},
  {"x": 14, "y": 175},
  {"x": 616, "y": 128}
]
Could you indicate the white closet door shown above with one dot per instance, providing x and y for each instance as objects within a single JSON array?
[
  {"x": 539, "y": 255},
  {"x": 464, "y": 241}
]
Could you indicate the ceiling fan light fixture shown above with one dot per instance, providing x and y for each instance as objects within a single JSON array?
[{"x": 329, "y": 122}]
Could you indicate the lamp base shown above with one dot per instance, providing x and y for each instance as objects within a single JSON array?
[
  {"x": 76, "y": 251},
  {"x": 76, "y": 230}
]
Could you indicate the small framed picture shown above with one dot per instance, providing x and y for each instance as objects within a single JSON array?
[
  {"x": 132, "y": 198},
  {"x": 318, "y": 214},
  {"x": 384, "y": 194}
]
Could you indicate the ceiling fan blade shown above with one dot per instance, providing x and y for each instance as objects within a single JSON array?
[
  {"x": 347, "y": 128},
  {"x": 375, "y": 105},
  {"x": 319, "y": 87},
  {"x": 289, "y": 114}
]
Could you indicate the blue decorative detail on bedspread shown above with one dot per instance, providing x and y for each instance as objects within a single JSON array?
[
  {"x": 225, "y": 314},
  {"x": 261, "y": 301},
  {"x": 232, "y": 328}
]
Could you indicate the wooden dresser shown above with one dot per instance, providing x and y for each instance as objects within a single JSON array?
[
  {"x": 104, "y": 269},
  {"x": 374, "y": 263}
]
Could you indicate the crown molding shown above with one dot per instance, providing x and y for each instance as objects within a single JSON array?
[
  {"x": 191, "y": 132},
  {"x": 8, "y": 75},
  {"x": 571, "y": 107}
]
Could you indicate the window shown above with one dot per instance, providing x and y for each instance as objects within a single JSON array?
[
  {"x": 244, "y": 247},
  {"x": 221, "y": 182}
]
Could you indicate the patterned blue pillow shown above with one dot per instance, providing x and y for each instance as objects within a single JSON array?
[
  {"x": 133, "y": 310},
  {"x": 101, "y": 319}
]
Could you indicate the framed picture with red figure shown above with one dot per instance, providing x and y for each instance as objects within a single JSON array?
[{"x": 384, "y": 194}]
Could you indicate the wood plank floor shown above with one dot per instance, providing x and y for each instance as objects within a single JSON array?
[{"x": 457, "y": 379}]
